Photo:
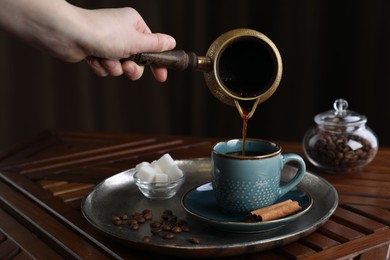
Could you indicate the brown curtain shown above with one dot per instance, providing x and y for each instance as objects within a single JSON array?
[{"x": 330, "y": 49}]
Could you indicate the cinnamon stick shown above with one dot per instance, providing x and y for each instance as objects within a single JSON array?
[{"x": 275, "y": 211}]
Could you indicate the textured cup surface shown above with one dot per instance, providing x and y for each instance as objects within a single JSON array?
[{"x": 246, "y": 183}]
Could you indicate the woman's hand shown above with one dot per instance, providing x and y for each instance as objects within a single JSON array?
[
  {"x": 102, "y": 37},
  {"x": 131, "y": 37}
]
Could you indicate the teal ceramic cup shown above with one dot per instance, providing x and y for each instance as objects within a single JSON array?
[{"x": 245, "y": 183}]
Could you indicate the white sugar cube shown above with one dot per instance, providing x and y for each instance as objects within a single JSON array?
[
  {"x": 161, "y": 177},
  {"x": 155, "y": 166},
  {"x": 165, "y": 162},
  {"x": 174, "y": 172},
  {"x": 146, "y": 173},
  {"x": 161, "y": 170},
  {"x": 140, "y": 165}
]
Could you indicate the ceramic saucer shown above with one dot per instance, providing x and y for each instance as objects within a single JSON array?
[{"x": 200, "y": 202}]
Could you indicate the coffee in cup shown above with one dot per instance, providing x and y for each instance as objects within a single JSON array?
[{"x": 243, "y": 183}]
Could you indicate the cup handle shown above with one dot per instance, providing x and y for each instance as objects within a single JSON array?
[{"x": 283, "y": 189}]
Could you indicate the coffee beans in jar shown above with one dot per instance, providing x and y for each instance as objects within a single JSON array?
[{"x": 340, "y": 141}]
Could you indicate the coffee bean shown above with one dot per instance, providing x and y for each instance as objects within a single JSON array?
[
  {"x": 146, "y": 239},
  {"x": 166, "y": 227},
  {"x": 123, "y": 217},
  {"x": 134, "y": 226},
  {"x": 169, "y": 235},
  {"x": 116, "y": 220},
  {"x": 166, "y": 214},
  {"x": 146, "y": 211},
  {"x": 140, "y": 219},
  {"x": 195, "y": 240},
  {"x": 147, "y": 214},
  {"x": 185, "y": 228},
  {"x": 155, "y": 224},
  {"x": 176, "y": 229},
  {"x": 182, "y": 223},
  {"x": 156, "y": 230}
]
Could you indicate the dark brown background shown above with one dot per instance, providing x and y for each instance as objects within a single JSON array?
[{"x": 330, "y": 49}]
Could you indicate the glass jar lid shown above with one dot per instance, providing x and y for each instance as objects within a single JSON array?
[{"x": 340, "y": 116}]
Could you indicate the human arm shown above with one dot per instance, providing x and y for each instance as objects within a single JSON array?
[{"x": 70, "y": 33}]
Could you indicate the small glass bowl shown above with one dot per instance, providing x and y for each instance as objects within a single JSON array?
[{"x": 158, "y": 190}]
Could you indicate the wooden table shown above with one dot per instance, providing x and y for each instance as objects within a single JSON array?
[{"x": 43, "y": 182}]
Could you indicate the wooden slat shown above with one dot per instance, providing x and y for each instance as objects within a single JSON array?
[
  {"x": 267, "y": 255},
  {"x": 71, "y": 155},
  {"x": 65, "y": 213},
  {"x": 374, "y": 178},
  {"x": 364, "y": 200},
  {"x": 51, "y": 143},
  {"x": 29, "y": 148},
  {"x": 68, "y": 188},
  {"x": 27, "y": 241},
  {"x": 382, "y": 252},
  {"x": 75, "y": 203},
  {"x": 97, "y": 158},
  {"x": 106, "y": 157},
  {"x": 378, "y": 192},
  {"x": 8, "y": 249},
  {"x": 92, "y": 174},
  {"x": 47, "y": 184},
  {"x": 339, "y": 232},
  {"x": 355, "y": 247},
  {"x": 380, "y": 214},
  {"x": 74, "y": 155},
  {"x": 75, "y": 195},
  {"x": 297, "y": 251},
  {"x": 66, "y": 241},
  {"x": 22, "y": 256},
  {"x": 357, "y": 221},
  {"x": 319, "y": 242}
]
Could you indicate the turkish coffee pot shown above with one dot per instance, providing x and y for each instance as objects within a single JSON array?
[{"x": 241, "y": 65}]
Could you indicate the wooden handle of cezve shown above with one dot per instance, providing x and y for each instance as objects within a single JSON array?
[{"x": 176, "y": 59}]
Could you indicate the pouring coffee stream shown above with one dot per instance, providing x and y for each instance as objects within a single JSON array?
[{"x": 242, "y": 68}]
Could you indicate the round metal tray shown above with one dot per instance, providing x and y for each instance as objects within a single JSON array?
[{"x": 119, "y": 194}]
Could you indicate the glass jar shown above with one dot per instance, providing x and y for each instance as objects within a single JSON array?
[{"x": 340, "y": 141}]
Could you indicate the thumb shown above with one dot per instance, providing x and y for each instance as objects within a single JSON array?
[{"x": 154, "y": 42}]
